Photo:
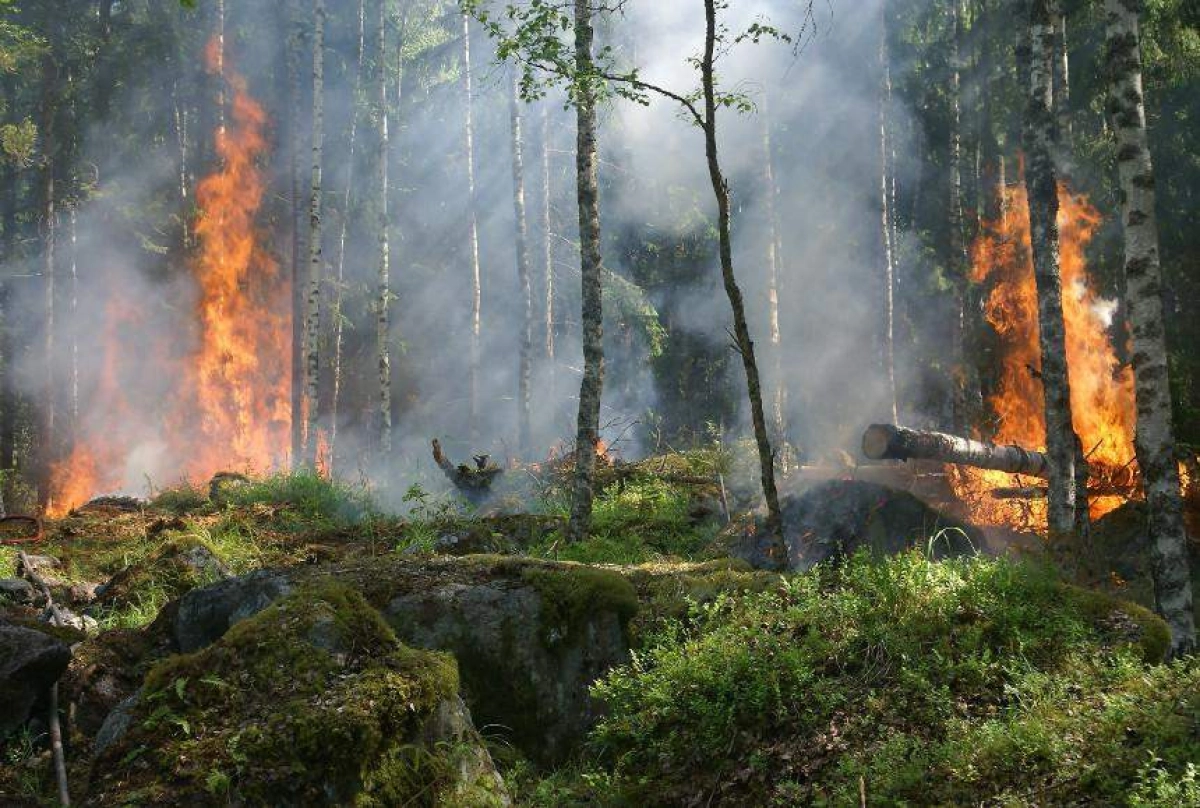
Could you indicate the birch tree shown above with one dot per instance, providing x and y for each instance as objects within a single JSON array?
[
  {"x": 1155, "y": 438},
  {"x": 312, "y": 312},
  {"x": 383, "y": 296},
  {"x": 1041, "y": 183},
  {"x": 774, "y": 260},
  {"x": 525, "y": 349},
  {"x": 340, "y": 277},
  {"x": 886, "y": 215},
  {"x": 473, "y": 229}
]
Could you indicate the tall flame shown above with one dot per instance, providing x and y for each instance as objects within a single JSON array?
[
  {"x": 229, "y": 407},
  {"x": 1102, "y": 398}
]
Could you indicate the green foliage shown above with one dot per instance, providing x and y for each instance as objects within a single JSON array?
[
  {"x": 183, "y": 498},
  {"x": 308, "y": 500},
  {"x": 642, "y": 518},
  {"x": 18, "y": 141},
  {"x": 977, "y": 679}
]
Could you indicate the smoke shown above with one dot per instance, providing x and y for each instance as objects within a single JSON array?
[{"x": 821, "y": 103}]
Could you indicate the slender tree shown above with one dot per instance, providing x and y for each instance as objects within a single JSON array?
[
  {"x": 886, "y": 215},
  {"x": 525, "y": 350},
  {"x": 547, "y": 252},
  {"x": 49, "y": 221},
  {"x": 774, "y": 259},
  {"x": 1155, "y": 439},
  {"x": 293, "y": 146},
  {"x": 340, "y": 281},
  {"x": 312, "y": 311},
  {"x": 473, "y": 230},
  {"x": 1041, "y": 183},
  {"x": 587, "y": 434},
  {"x": 383, "y": 296},
  {"x": 959, "y": 260}
]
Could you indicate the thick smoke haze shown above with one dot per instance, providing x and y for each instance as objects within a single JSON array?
[{"x": 821, "y": 100}]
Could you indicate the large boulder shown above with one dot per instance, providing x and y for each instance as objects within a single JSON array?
[
  {"x": 30, "y": 662},
  {"x": 530, "y": 637},
  {"x": 312, "y": 701}
]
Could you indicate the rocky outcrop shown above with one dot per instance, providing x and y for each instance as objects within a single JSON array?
[
  {"x": 205, "y": 614},
  {"x": 313, "y": 701},
  {"x": 175, "y": 568},
  {"x": 30, "y": 662}
]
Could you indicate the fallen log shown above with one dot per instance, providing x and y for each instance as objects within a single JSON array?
[{"x": 890, "y": 442}]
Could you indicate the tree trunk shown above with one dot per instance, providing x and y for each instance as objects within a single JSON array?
[
  {"x": 339, "y": 287},
  {"x": 885, "y": 191},
  {"x": 525, "y": 359},
  {"x": 473, "y": 234},
  {"x": 889, "y": 442},
  {"x": 48, "y": 438},
  {"x": 959, "y": 261},
  {"x": 312, "y": 308},
  {"x": 73, "y": 308},
  {"x": 591, "y": 316},
  {"x": 1042, "y": 187},
  {"x": 220, "y": 71},
  {"x": 774, "y": 259},
  {"x": 548, "y": 252},
  {"x": 293, "y": 144},
  {"x": 1062, "y": 72},
  {"x": 777, "y": 550},
  {"x": 1155, "y": 439},
  {"x": 383, "y": 295}
]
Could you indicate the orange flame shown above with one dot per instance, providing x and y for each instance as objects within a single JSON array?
[
  {"x": 231, "y": 405},
  {"x": 1102, "y": 398}
]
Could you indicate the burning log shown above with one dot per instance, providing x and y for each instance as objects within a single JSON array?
[
  {"x": 475, "y": 482},
  {"x": 889, "y": 442}
]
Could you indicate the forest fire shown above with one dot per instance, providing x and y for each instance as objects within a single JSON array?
[
  {"x": 1102, "y": 397},
  {"x": 227, "y": 406}
]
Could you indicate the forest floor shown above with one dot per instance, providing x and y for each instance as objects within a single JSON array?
[{"x": 281, "y": 641}]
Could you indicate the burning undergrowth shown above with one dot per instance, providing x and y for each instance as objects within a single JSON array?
[{"x": 209, "y": 398}]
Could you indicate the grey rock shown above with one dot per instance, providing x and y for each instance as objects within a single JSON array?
[
  {"x": 30, "y": 662},
  {"x": 38, "y": 563},
  {"x": 116, "y": 724},
  {"x": 17, "y": 590},
  {"x": 205, "y": 614},
  {"x": 521, "y": 677}
]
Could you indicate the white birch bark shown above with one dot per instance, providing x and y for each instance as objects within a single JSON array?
[
  {"x": 525, "y": 350},
  {"x": 1155, "y": 439},
  {"x": 383, "y": 300},
  {"x": 473, "y": 234},
  {"x": 312, "y": 311}
]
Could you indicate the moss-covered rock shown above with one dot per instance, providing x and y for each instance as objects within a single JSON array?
[
  {"x": 313, "y": 701},
  {"x": 178, "y": 566}
]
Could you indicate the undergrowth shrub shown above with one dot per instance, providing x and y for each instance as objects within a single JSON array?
[
  {"x": 309, "y": 500},
  {"x": 924, "y": 683}
]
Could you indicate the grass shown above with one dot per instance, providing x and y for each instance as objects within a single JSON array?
[{"x": 641, "y": 519}]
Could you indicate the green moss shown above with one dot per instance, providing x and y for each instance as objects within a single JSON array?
[
  {"x": 1150, "y": 631},
  {"x": 572, "y": 593},
  {"x": 312, "y": 701}
]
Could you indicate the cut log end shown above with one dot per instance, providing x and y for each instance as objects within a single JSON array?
[{"x": 877, "y": 441}]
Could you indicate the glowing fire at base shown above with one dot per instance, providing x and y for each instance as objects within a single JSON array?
[
  {"x": 228, "y": 407},
  {"x": 1102, "y": 398}
]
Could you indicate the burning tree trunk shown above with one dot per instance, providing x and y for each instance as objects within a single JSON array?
[
  {"x": 888, "y": 442},
  {"x": 473, "y": 234},
  {"x": 777, "y": 551},
  {"x": 339, "y": 284},
  {"x": 525, "y": 360},
  {"x": 1154, "y": 439},
  {"x": 587, "y": 183},
  {"x": 312, "y": 313},
  {"x": 383, "y": 300},
  {"x": 1042, "y": 184},
  {"x": 889, "y": 262}
]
